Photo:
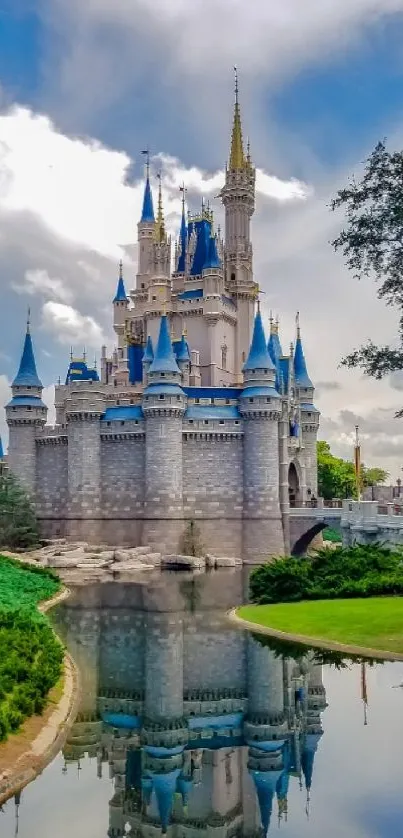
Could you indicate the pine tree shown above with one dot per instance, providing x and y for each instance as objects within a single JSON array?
[{"x": 18, "y": 524}]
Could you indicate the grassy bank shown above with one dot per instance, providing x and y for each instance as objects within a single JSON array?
[
  {"x": 30, "y": 655},
  {"x": 375, "y": 623}
]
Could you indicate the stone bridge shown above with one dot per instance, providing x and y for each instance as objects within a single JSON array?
[{"x": 361, "y": 522}]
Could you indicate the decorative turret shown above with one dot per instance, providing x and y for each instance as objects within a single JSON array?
[
  {"x": 145, "y": 230},
  {"x": 164, "y": 404},
  {"x": 120, "y": 296},
  {"x": 148, "y": 357},
  {"x": 183, "y": 359},
  {"x": 302, "y": 381},
  {"x": 181, "y": 264},
  {"x": 308, "y": 412},
  {"x": 260, "y": 407},
  {"x": 275, "y": 350},
  {"x": 161, "y": 248},
  {"x": 26, "y": 414}
]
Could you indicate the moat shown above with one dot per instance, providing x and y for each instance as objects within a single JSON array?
[{"x": 191, "y": 727}]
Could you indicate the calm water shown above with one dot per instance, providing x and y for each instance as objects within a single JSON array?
[{"x": 190, "y": 726}]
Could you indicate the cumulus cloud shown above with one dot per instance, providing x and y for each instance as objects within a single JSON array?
[
  {"x": 71, "y": 328},
  {"x": 39, "y": 282}
]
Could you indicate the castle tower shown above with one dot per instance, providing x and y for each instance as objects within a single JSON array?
[
  {"x": 26, "y": 414},
  {"x": 238, "y": 197},
  {"x": 161, "y": 253},
  {"x": 164, "y": 405},
  {"x": 260, "y": 407},
  {"x": 148, "y": 358},
  {"x": 183, "y": 359},
  {"x": 145, "y": 232},
  {"x": 84, "y": 409},
  {"x": 120, "y": 306},
  {"x": 309, "y": 414}
]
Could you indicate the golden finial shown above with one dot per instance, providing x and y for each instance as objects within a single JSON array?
[
  {"x": 160, "y": 224},
  {"x": 237, "y": 157},
  {"x": 28, "y": 320}
]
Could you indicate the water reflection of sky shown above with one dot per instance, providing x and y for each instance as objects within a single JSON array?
[{"x": 357, "y": 780}]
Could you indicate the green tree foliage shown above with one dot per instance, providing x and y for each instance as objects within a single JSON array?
[
  {"x": 191, "y": 543},
  {"x": 359, "y": 571},
  {"x": 336, "y": 477},
  {"x": 30, "y": 654},
  {"x": 18, "y": 523},
  {"x": 372, "y": 244}
]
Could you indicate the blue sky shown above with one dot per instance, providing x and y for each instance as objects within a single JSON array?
[{"x": 320, "y": 83}]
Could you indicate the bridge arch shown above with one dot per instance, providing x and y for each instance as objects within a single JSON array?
[
  {"x": 302, "y": 543},
  {"x": 294, "y": 484}
]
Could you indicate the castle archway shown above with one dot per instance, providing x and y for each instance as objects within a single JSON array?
[
  {"x": 294, "y": 489},
  {"x": 301, "y": 545}
]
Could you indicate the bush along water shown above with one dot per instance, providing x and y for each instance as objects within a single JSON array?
[
  {"x": 359, "y": 571},
  {"x": 30, "y": 655}
]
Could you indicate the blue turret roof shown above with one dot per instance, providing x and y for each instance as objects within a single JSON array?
[
  {"x": 120, "y": 296},
  {"x": 27, "y": 375},
  {"x": 183, "y": 242},
  {"x": 265, "y": 784},
  {"x": 300, "y": 371},
  {"x": 274, "y": 346},
  {"x": 79, "y": 371},
  {"x": 202, "y": 228},
  {"x": 148, "y": 207},
  {"x": 182, "y": 351},
  {"x": 164, "y": 358},
  {"x": 258, "y": 358},
  {"x": 308, "y": 756},
  {"x": 1, "y": 449},
  {"x": 165, "y": 787},
  {"x": 148, "y": 356},
  {"x": 185, "y": 787},
  {"x": 212, "y": 259}
]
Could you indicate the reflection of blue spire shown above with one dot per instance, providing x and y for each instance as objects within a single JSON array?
[
  {"x": 265, "y": 784},
  {"x": 258, "y": 358},
  {"x": 184, "y": 787},
  {"x": 164, "y": 358},
  {"x": 147, "y": 789},
  {"x": 300, "y": 371},
  {"x": 27, "y": 375},
  {"x": 148, "y": 207},
  {"x": 311, "y": 743},
  {"x": 165, "y": 787}
]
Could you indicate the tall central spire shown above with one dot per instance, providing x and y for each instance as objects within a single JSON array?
[
  {"x": 237, "y": 158},
  {"x": 160, "y": 223}
]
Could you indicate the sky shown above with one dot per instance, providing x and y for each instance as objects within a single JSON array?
[{"x": 84, "y": 87}]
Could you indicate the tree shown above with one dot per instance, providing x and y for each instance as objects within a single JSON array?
[
  {"x": 336, "y": 477},
  {"x": 372, "y": 244},
  {"x": 18, "y": 523}
]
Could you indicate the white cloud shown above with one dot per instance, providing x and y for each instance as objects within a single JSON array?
[
  {"x": 39, "y": 282},
  {"x": 71, "y": 328}
]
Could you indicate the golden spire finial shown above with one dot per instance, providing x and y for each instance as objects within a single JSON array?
[
  {"x": 237, "y": 157},
  {"x": 28, "y": 320},
  {"x": 160, "y": 223},
  {"x": 84, "y": 354}
]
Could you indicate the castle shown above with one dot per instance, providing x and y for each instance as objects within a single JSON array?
[{"x": 196, "y": 416}]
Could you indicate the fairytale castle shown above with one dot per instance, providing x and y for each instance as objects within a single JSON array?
[{"x": 196, "y": 415}]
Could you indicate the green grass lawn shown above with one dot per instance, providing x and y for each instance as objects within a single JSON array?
[{"x": 375, "y": 623}]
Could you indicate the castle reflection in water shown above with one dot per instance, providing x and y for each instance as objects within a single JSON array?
[{"x": 201, "y": 727}]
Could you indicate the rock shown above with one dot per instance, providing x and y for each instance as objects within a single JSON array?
[
  {"x": 151, "y": 558},
  {"x": 93, "y": 565},
  {"x": 123, "y": 567},
  {"x": 183, "y": 562},
  {"x": 140, "y": 551},
  {"x": 123, "y": 555},
  {"x": 107, "y": 555}
]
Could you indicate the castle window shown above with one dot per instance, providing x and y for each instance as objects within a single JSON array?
[
  {"x": 197, "y": 401},
  {"x": 206, "y": 421},
  {"x": 251, "y": 400},
  {"x": 161, "y": 396},
  {"x": 142, "y": 285},
  {"x": 190, "y": 421},
  {"x": 136, "y": 422},
  {"x": 212, "y": 401},
  {"x": 227, "y": 401},
  {"x": 178, "y": 398},
  {"x": 118, "y": 401},
  {"x": 221, "y": 422},
  {"x": 237, "y": 421},
  {"x": 154, "y": 298},
  {"x": 108, "y": 424},
  {"x": 29, "y": 408},
  {"x": 122, "y": 423},
  {"x": 232, "y": 277},
  {"x": 162, "y": 375},
  {"x": 131, "y": 401}
]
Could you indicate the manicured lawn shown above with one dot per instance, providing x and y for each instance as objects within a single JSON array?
[{"x": 376, "y": 623}]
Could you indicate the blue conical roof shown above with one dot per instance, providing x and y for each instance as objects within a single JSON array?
[
  {"x": 165, "y": 787},
  {"x": 164, "y": 358},
  {"x": 258, "y": 358},
  {"x": 120, "y": 296},
  {"x": 182, "y": 353},
  {"x": 212, "y": 260},
  {"x": 148, "y": 356},
  {"x": 308, "y": 756},
  {"x": 274, "y": 347},
  {"x": 148, "y": 207},
  {"x": 265, "y": 784},
  {"x": 183, "y": 242},
  {"x": 27, "y": 375},
  {"x": 300, "y": 371}
]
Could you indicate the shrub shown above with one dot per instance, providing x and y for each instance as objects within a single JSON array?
[{"x": 359, "y": 571}]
